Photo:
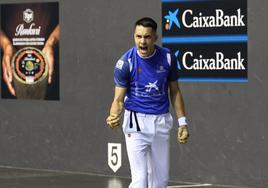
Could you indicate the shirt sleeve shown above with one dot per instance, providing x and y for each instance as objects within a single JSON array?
[
  {"x": 121, "y": 73},
  {"x": 173, "y": 71}
]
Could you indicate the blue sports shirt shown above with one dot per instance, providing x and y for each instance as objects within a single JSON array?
[{"x": 146, "y": 80}]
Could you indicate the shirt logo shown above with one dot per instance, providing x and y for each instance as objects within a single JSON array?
[
  {"x": 119, "y": 64},
  {"x": 160, "y": 69},
  {"x": 151, "y": 86}
]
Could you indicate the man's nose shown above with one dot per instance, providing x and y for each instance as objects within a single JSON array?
[{"x": 142, "y": 40}]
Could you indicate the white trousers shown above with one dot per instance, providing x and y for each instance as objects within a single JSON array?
[{"x": 147, "y": 142}]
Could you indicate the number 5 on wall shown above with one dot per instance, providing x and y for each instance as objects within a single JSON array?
[{"x": 114, "y": 156}]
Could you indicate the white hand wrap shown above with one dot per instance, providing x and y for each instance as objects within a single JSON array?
[{"x": 182, "y": 121}]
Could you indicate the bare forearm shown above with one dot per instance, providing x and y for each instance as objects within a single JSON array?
[
  {"x": 176, "y": 99},
  {"x": 117, "y": 107},
  {"x": 113, "y": 119},
  {"x": 4, "y": 41},
  {"x": 118, "y": 101},
  {"x": 178, "y": 104},
  {"x": 54, "y": 37}
]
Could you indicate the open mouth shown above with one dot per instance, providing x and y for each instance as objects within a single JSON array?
[{"x": 143, "y": 49}]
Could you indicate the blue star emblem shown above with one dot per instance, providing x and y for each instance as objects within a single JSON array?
[
  {"x": 177, "y": 56},
  {"x": 172, "y": 18}
]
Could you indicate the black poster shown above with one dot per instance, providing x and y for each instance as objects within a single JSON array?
[{"x": 29, "y": 41}]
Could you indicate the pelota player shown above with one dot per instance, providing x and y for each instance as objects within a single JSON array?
[{"x": 144, "y": 76}]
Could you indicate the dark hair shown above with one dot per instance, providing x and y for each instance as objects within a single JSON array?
[{"x": 147, "y": 22}]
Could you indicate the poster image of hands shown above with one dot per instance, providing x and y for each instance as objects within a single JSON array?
[{"x": 29, "y": 41}]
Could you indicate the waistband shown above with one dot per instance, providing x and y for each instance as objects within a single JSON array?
[{"x": 147, "y": 115}]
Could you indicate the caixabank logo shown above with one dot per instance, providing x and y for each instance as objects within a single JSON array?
[
  {"x": 198, "y": 17},
  {"x": 190, "y": 19},
  {"x": 202, "y": 35},
  {"x": 217, "y": 61},
  {"x": 172, "y": 18},
  {"x": 211, "y": 62}
]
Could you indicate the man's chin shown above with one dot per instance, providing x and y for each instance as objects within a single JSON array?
[{"x": 143, "y": 53}]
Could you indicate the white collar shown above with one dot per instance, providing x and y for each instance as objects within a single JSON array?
[{"x": 148, "y": 56}]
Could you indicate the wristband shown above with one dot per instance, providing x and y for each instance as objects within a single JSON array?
[{"x": 182, "y": 121}]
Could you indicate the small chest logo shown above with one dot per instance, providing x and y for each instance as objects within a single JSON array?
[
  {"x": 151, "y": 86},
  {"x": 160, "y": 69}
]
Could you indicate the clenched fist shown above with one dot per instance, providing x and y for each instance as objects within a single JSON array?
[
  {"x": 183, "y": 134},
  {"x": 113, "y": 121}
]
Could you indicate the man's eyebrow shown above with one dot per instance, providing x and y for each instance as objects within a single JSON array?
[{"x": 147, "y": 35}]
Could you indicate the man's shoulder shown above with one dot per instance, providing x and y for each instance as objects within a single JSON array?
[
  {"x": 129, "y": 54},
  {"x": 164, "y": 53},
  {"x": 162, "y": 50},
  {"x": 125, "y": 61}
]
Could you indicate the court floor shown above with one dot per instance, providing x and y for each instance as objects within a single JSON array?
[{"x": 28, "y": 178}]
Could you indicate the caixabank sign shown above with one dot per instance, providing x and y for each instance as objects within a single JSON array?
[{"x": 208, "y": 37}]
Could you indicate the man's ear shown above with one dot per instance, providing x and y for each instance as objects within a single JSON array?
[{"x": 156, "y": 37}]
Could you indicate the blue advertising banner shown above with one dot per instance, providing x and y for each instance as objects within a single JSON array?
[{"x": 208, "y": 37}]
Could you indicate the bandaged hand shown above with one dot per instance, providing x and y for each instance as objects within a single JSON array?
[
  {"x": 183, "y": 134},
  {"x": 113, "y": 121}
]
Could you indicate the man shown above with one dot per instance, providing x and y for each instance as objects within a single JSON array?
[{"x": 144, "y": 76}]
